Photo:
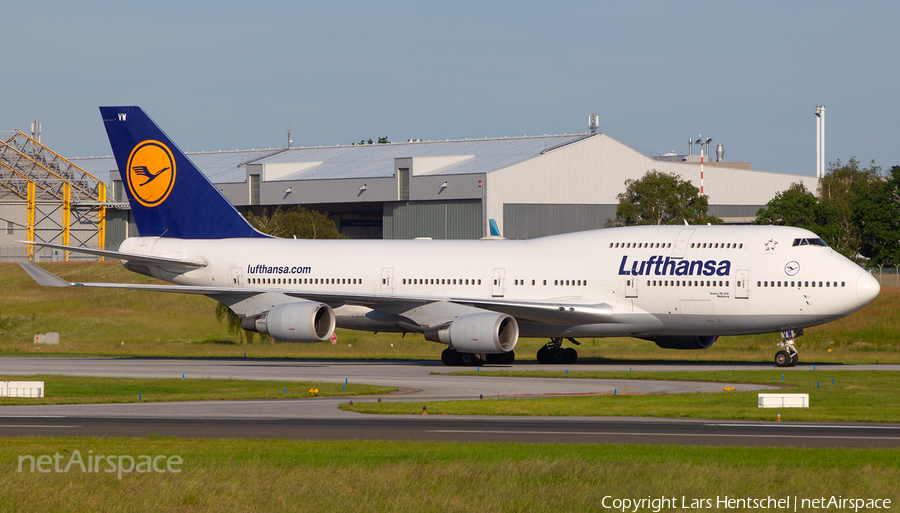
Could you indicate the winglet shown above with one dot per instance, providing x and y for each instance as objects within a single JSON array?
[{"x": 45, "y": 278}]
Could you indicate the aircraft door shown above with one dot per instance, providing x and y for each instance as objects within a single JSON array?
[
  {"x": 742, "y": 284},
  {"x": 681, "y": 242},
  {"x": 236, "y": 276},
  {"x": 498, "y": 286},
  {"x": 631, "y": 286},
  {"x": 387, "y": 280}
]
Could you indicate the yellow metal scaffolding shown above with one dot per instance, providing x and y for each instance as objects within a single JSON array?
[{"x": 49, "y": 183}]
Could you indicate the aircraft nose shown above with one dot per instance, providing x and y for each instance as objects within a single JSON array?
[{"x": 867, "y": 288}]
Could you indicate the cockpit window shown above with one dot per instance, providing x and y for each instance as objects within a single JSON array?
[{"x": 810, "y": 242}]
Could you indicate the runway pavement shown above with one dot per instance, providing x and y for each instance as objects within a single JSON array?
[{"x": 320, "y": 418}]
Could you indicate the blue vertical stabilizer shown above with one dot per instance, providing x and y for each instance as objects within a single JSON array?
[
  {"x": 169, "y": 196},
  {"x": 495, "y": 231}
]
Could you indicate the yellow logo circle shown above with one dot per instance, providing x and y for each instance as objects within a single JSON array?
[{"x": 151, "y": 173}]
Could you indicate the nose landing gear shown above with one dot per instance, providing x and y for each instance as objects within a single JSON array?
[
  {"x": 788, "y": 356},
  {"x": 554, "y": 353}
]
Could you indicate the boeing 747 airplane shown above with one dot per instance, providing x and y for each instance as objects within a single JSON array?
[{"x": 680, "y": 287}]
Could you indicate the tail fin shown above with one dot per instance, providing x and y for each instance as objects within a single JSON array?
[
  {"x": 495, "y": 231},
  {"x": 169, "y": 196}
]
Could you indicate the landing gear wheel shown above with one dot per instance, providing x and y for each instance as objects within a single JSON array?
[
  {"x": 542, "y": 356},
  {"x": 788, "y": 356},
  {"x": 558, "y": 357},
  {"x": 555, "y": 353},
  {"x": 783, "y": 359},
  {"x": 450, "y": 357},
  {"x": 467, "y": 359}
]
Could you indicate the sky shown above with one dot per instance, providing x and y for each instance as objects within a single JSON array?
[{"x": 219, "y": 75}]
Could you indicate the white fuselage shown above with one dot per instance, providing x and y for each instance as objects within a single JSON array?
[{"x": 659, "y": 280}]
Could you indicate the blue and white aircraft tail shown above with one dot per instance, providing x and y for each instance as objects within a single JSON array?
[
  {"x": 169, "y": 196},
  {"x": 681, "y": 287}
]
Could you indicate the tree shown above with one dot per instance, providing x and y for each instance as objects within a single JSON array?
[
  {"x": 879, "y": 217},
  {"x": 795, "y": 206},
  {"x": 233, "y": 322},
  {"x": 840, "y": 193},
  {"x": 847, "y": 214},
  {"x": 297, "y": 223},
  {"x": 661, "y": 198}
]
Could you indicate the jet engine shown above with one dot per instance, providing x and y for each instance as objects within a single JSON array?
[
  {"x": 303, "y": 321},
  {"x": 483, "y": 333},
  {"x": 684, "y": 341}
]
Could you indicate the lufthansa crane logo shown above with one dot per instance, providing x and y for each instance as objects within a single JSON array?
[
  {"x": 151, "y": 173},
  {"x": 791, "y": 268}
]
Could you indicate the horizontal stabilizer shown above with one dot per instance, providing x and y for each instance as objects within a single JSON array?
[
  {"x": 123, "y": 256},
  {"x": 45, "y": 278}
]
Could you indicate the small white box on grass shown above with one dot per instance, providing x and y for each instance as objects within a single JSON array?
[
  {"x": 784, "y": 400},
  {"x": 21, "y": 389}
]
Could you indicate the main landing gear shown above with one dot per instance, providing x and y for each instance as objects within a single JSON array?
[
  {"x": 453, "y": 358},
  {"x": 555, "y": 353},
  {"x": 788, "y": 356}
]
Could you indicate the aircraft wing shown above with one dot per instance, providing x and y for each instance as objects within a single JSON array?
[
  {"x": 123, "y": 256},
  {"x": 565, "y": 311}
]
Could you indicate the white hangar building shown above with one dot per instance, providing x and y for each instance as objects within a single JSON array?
[{"x": 531, "y": 186}]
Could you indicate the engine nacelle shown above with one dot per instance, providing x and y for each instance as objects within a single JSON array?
[
  {"x": 303, "y": 321},
  {"x": 484, "y": 333},
  {"x": 684, "y": 341}
]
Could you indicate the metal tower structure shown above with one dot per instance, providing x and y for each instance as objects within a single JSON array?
[{"x": 64, "y": 204}]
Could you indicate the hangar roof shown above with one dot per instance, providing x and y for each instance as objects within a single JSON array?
[{"x": 363, "y": 161}]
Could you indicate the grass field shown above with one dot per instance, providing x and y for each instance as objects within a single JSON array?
[
  {"x": 129, "y": 323},
  {"x": 83, "y": 390},
  {"x": 855, "y": 396},
  {"x": 283, "y": 475}
]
